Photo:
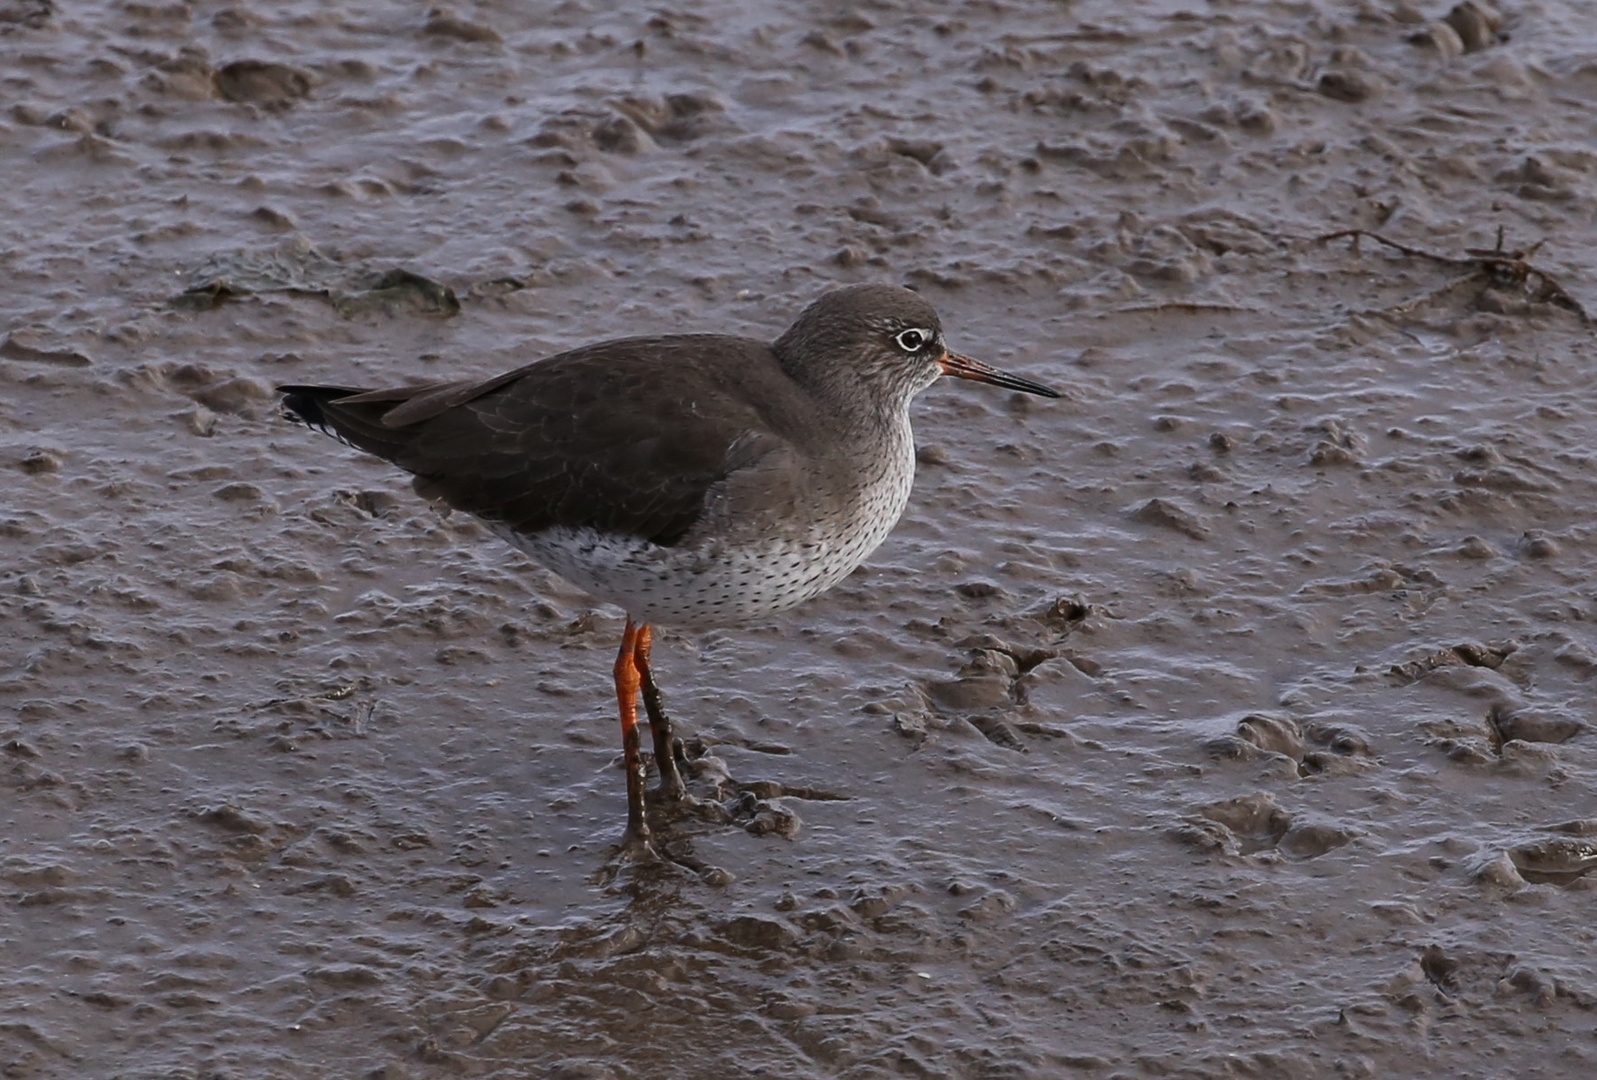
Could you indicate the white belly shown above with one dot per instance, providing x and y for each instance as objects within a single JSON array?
[{"x": 717, "y": 582}]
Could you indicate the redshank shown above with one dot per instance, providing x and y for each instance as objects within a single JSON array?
[{"x": 694, "y": 480}]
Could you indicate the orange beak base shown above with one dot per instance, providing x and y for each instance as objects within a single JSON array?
[{"x": 963, "y": 367}]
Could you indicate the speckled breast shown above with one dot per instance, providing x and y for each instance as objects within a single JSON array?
[{"x": 718, "y": 581}]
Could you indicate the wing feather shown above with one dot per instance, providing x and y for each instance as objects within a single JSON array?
[{"x": 597, "y": 437}]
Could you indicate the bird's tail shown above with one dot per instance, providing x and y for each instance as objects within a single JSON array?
[
  {"x": 304, "y": 403},
  {"x": 355, "y": 423}
]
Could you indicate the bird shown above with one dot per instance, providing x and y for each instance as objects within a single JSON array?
[{"x": 692, "y": 480}]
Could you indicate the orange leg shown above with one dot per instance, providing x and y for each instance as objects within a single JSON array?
[
  {"x": 627, "y": 682},
  {"x": 671, "y": 786}
]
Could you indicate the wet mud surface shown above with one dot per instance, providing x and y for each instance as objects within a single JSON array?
[{"x": 1229, "y": 717}]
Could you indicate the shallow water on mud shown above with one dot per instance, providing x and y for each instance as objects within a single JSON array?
[{"x": 1229, "y": 716}]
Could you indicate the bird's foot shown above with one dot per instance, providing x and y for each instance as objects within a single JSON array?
[
  {"x": 671, "y": 790},
  {"x": 669, "y": 761},
  {"x": 637, "y": 845}
]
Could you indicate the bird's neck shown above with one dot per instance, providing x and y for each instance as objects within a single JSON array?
[{"x": 855, "y": 402}]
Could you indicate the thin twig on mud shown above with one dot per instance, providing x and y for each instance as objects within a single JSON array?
[
  {"x": 1496, "y": 266},
  {"x": 1188, "y": 307}
]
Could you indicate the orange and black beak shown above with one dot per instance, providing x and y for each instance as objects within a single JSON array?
[{"x": 965, "y": 368}]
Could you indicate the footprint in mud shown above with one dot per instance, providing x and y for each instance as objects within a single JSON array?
[
  {"x": 263, "y": 82},
  {"x": 1504, "y": 735},
  {"x": 1255, "y": 824},
  {"x": 1564, "y": 858},
  {"x": 1490, "y": 655},
  {"x": 1319, "y": 748},
  {"x": 991, "y": 692},
  {"x": 1444, "y": 976},
  {"x": 1525, "y": 716},
  {"x": 1507, "y": 724},
  {"x": 1557, "y": 860}
]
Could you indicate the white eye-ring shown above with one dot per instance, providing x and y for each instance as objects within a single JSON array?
[{"x": 914, "y": 340}]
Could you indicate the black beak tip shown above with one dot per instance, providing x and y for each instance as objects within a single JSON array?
[{"x": 1028, "y": 386}]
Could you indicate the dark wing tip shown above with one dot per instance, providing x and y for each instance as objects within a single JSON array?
[{"x": 304, "y": 403}]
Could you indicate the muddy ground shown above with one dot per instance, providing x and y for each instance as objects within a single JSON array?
[{"x": 1230, "y": 716}]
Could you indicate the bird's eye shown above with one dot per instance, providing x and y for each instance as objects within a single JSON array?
[{"x": 913, "y": 340}]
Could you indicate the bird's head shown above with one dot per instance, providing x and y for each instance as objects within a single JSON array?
[{"x": 885, "y": 339}]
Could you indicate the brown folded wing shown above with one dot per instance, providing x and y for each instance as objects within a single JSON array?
[{"x": 625, "y": 436}]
